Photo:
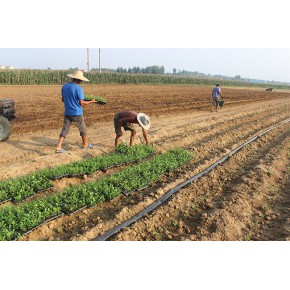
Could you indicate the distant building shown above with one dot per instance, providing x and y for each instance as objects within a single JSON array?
[
  {"x": 9, "y": 67},
  {"x": 2, "y": 66}
]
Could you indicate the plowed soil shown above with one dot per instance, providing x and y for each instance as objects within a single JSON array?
[{"x": 245, "y": 198}]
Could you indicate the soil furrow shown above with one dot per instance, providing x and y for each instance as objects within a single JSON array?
[
  {"x": 225, "y": 205},
  {"x": 228, "y": 204}
]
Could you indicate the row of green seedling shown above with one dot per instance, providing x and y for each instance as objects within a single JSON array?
[
  {"x": 17, "y": 220},
  {"x": 18, "y": 189}
]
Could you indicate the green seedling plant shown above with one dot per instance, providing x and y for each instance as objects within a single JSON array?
[
  {"x": 99, "y": 99},
  {"x": 16, "y": 220},
  {"x": 21, "y": 188},
  {"x": 3, "y": 195}
]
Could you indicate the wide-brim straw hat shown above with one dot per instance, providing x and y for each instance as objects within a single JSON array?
[
  {"x": 79, "y": 75},
  {"x": 143, "y": 120}
]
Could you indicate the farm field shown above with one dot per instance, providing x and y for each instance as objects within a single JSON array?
[{"x": 245, "y": 198}]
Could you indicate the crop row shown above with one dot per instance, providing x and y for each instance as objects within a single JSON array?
[
  {"x": 17, "y": 220},
  {"x": 23, "y": 187},
  {"x": 59, "y": 77}
]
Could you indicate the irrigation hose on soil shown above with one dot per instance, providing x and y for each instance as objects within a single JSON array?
[{"x": 168, "y": 194}]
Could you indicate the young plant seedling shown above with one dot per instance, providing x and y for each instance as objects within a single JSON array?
[{"x": 99, "y": 100}]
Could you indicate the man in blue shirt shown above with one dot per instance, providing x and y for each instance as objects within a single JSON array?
[
  {"x": 73, "y": 98},
  {"x": 216, "y": 92}
]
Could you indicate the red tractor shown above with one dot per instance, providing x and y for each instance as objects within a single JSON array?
[{"x": 7, "y": 113}]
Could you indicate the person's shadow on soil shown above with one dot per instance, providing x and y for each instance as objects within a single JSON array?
[{"x": 41, "y": 146}]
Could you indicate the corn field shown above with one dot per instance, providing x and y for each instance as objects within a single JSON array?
[{"x": 59, "y": 77}]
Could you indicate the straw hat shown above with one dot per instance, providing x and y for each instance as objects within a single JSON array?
[
  {"x": 78, "y": 75},
  {"x": 143, "y": 120}
]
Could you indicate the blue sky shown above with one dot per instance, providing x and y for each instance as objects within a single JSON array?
[
  {"x": 260, "y": 63},
  {"x": 212, "y": 37}
]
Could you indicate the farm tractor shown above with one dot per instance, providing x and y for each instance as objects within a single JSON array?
[{"x": 7, "y": 113}]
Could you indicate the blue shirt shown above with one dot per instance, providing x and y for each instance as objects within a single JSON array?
[
  {"x": 215, "y": 92},
  {"x": 72, "y": 94}
]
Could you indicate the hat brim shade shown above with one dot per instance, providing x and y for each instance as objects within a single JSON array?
[
  {"x": 146, "y": 127},
  {"x": 78, "y": 77}
]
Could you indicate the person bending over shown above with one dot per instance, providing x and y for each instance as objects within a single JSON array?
[{"x": 127, "y": 119}]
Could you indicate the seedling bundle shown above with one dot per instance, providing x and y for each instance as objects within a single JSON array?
[{"x": 100, "y": 100}]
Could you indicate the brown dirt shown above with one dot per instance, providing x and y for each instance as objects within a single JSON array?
[{"x": 246, "y": 198}]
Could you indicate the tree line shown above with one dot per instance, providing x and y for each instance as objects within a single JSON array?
[{"x": 147, "y": 70}]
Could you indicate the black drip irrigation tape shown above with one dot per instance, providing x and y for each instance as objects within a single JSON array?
[
  {"x": 6, "y": 200},
  {"x": 129, "y": 192},
  {"x": 114, "y": 198},
  {"x": 76, "y": 211},
  {"x": 169, "y": 193},
  {"x": 140, "y": 189},
  {"x": 45, "y": 189}
]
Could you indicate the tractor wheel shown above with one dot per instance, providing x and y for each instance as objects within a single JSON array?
[{"x": 5, "y": 128}]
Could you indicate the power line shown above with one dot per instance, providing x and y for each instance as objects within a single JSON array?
[
  {"x": 88, "y": 59},
  {"x": 100, "y": 61}
]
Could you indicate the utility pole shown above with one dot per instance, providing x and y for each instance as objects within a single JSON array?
[
  {"x": 88, "y": 59},
  {"x": 100, "y": 61}
]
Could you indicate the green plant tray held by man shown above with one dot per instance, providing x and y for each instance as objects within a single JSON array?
[{"x": 99, "y": 100}]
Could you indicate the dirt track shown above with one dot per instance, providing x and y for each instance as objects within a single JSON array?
[{"x": 247, "y": 198}]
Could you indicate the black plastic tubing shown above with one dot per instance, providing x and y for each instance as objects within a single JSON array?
[{"x": 169, "y": 193}]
